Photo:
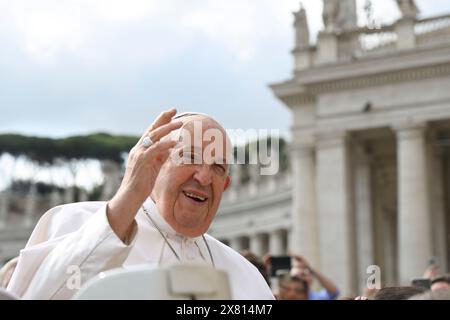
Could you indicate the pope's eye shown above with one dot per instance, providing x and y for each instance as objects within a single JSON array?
[{"x": 220, "y": 169}]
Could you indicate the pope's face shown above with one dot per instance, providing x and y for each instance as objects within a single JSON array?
[{"x": 187, "y": 193}]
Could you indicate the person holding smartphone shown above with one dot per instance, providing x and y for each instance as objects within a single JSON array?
[
  {"x": 288, "y": 269},
  {"x": 302, "y": 269}
]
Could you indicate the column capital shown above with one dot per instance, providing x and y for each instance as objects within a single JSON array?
[
  {"x": 276, "y": 246},
  {"x": 409, "y": 128},
  {"x": 301, "y": 149},
  {"x": 414, "y": 216},
  {"x": 330, "y": 139},
  {"x": 257, "y": 234},
  {"x": 303, "y": 144},
  {"x": 279, "y": 230}
]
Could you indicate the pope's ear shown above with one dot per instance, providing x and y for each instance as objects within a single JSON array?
[{"x": 227, "y": 183}]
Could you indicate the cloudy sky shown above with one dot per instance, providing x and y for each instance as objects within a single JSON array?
[{"x": 78, "y": 66}]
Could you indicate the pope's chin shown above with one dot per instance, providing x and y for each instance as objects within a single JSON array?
[{"x": 192, "y": 220}]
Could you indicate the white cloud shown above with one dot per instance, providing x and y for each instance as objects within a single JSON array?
[
  {"x": 123, "y": 11},
  {"x": 213, "y": 20},
  {"x": 65, "y": 64},
  {"x": 93, "y": 30},
  {"x": 242, "y": 27},
  {"x": 48, "y": 29},
  {"x": 45, "y": 33}
]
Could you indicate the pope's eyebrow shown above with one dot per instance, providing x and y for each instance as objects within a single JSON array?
[{"x": 187, "y": 114}]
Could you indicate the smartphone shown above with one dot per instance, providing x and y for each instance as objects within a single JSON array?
[
  {"x": 421, "y": 282},
  {"x": 280, "y": 263}
]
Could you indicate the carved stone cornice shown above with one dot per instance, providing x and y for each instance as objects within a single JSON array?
[
  {"x": 380, "y": 79},
  {"x": 409, "y": 129},
  {"x": 332, "y": 139},
  {"x": 300, "y": 94},
  {"x": 282, "y": 196},
  {"x": 409, "y": 124},
  {"x": 298, "y": 99},
  {"x": 291, "y": 93}
]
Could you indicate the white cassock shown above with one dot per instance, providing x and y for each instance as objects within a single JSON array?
[{"x": 79, "y": 234}]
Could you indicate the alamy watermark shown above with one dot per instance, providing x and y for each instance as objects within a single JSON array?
[
  {"x": 374, "y": 278},
  {"x": 73, "y": 282},
  {"x": 214, "y": 146}
]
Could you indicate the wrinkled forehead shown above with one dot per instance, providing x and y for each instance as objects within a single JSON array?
[{"x": 200, "y": 131}]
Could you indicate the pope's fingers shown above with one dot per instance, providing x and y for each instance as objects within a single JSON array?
[
  {"x": 160, "y": 146},
  {"x": 163, "y": 118},
  {"x": 159, "y": 152},
  {"x": 164, "y": 130}
]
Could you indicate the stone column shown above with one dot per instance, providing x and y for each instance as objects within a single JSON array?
[
  {"x": 414, "y": 245},
  {"x": 112, "y": 178},
  {"x": 4, "y": 207},
  {"x": 54, "y": 199},
  {"x": 272, "y": 169},
  {"x": 276, "y": 246},
  {"x": 255, "y": 178},
  {"x": 30, "y": 206},
  {"x": 257, "y": 245},
  {"x": 390, "y": 250},
  {"x": 305, "y": 239},
  {"x": 336, "y": 220},
  {"x": 236, "y": 243},
  {"x": 235, "y": 186},
  {"x": 363, "y": 214},
  {"x": 437, "y": 196},
  {"x": 68, "y": 196},
  {"x": 83, "y": 195}
]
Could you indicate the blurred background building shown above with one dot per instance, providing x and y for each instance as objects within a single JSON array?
[
  {"x": 366, "y": 178},
  {"x": 369, "y": 161}
]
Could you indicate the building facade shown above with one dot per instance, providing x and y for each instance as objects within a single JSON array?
[{"x": 370, "y": 158}]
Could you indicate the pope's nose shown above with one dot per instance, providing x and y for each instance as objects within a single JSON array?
[{"x": 203, "y": 174}]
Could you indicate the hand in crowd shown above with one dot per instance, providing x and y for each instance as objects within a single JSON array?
[
  {"x": 432, "y": 271},
  {"x": 299, "y": 262}
]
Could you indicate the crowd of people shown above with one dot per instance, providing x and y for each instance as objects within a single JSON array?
[{"x": 302, "y": 282}]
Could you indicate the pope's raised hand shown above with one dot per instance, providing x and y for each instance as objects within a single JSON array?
[{"x": 144, "y": 163}]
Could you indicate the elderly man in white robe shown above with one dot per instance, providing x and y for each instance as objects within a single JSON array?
[{"x": 159, "y": 216}]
